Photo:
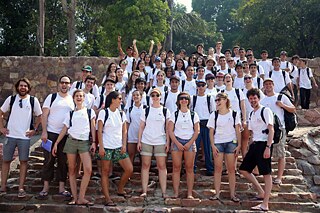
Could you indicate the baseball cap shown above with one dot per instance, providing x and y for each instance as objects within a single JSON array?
[
  {"x": 199, "y": 82},
  {"x": 268, "y": 79},
  {"x": 210, "y": 76},
  {"x": 239, "y": 64},
  {"x": 174, "y": 77},
  {"x": 220, "y": 74},
  {"x": 283, "y": 53},
  {"x": 155, "y": 90},
  {"x": 157, "y": 59},
  {"x": 87, "y": 68}
]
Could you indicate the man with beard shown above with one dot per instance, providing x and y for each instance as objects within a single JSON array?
[
  {"x": 259, "y": 153},
  {"x": 55, "y": 108},
  {"x": 19, "y": 130}
]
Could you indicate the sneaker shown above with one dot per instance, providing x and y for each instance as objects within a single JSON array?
[
  {"x": 113, "y": 177},
  {"x": 21, "y": 193}
]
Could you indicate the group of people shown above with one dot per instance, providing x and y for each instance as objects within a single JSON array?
[{"x": 216, "y": 104}]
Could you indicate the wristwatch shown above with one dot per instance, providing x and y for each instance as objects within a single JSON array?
[{"x": 268, "y": 146}]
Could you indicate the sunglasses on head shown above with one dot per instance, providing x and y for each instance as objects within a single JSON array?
[{"x": 155, "y": 95}]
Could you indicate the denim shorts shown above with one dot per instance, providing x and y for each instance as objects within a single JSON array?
[
  {"x": 10, "y": 145},
  {"x": 227, "y": 148},
  {"x": 192, "y": 148}
]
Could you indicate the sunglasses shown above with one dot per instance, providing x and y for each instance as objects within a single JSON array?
[
  {"x": 230, "y": 61},
  {"x": 201, "y": 85},
  {"x": 183, "y": 98},
  {"x": 120, "y": 98},
  {"x": 246, "y": 78},
  {"x": 64, "y": 82},
  {"x": 20, "y": 103},
  {"x": 155, "y": 95}
]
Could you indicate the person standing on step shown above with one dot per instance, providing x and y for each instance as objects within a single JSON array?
[
  {"x": 112, "y": 134},
  {"x": 153, "y": 140},
  {"x": 260, "y": 149},
  {"x": 203, "y": 105},
  {"x": 19, "y": 130},
  {"x": 225, "y": 139},
  {"x": 55, "y": 108},
  {"x": 278, "y": 103},
  {"x": 183, "y": 128},
  {"x": 79, "y": 125},
  {"x": 170, "y": 97}
]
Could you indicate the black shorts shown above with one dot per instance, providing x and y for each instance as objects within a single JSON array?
[{"x": 254, "y": 158}]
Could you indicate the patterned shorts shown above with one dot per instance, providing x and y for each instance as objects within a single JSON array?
[{"x": 113, "y": 154}]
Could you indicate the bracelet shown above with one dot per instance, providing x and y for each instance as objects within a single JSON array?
[{"x": 268, "y": 146}]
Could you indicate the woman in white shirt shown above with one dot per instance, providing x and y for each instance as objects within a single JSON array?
[
  {"x": 112, "y": 135},
  {"x": 153, "y": 140},
  {"x": 120, "y": 83},
  {"x": 183, "y": 128},
  {"x": 133, "y": 120},
  {"x": 78, "y": 125},
  {"x": 225, "y": 144}
]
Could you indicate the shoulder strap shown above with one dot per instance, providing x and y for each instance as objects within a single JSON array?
[
  {"x": 258, "y": 81},
  {"x": 130, "y": 109},
  {"x": 12, "y": 99},
  {"x": 153, "y": 70},
  {"x": 216, "y": 113},
  {"x": 287, "y": 64},
  {"x": 106, "y": 116},
  {"x": 208, "y": 103},
  {"x": 165, "y": 88},
  {"x": 164, "y": 111},
  {"x": 229, "y": 70},
  {"x": 70, "y": 121},
  {"x": 166, "y": 93},
  {"x": 32, "y": 109},
  {"x": 147, "y": 113},
  {"x": 102, "y": 90},
  {"x": 308, "y": 72},
  {"x": 183, "y": 83},
  {"x": 284, "y": 77},
  {"x": 234, "y": 114},
  {"x": 299, "y": 71},
  {"x": 270, "y": 73},
  {"x": 53, "y": 97},
  {"x": 192, "y": 116},
  {"x": 78, "y": 85},
  {"x": 258, "y": 68},
  {"x": 101, "y": 101},
  {"x": 89, "y": 118},
  {"x": 262, "y": 115},
  {"x": 194, "y": 101},
  {"x": 279, "y": 97},
  {"x": 148, "y": 100},
  {"x": 176, "y": 113},
  {"x": 238, "y": 96}
]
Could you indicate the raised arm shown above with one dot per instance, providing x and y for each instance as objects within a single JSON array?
[{"x": 122, "y": 54}]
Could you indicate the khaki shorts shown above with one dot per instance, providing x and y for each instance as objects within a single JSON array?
[
  {"x": 73, "y": 146},
  {"x": 156, "y": 150},
  {"x": 279, "y": 150}
]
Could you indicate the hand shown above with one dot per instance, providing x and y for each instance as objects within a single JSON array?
[
  {"x": 266, "y": 153},
  {"x": 119, "y": 38},
  {"x": 134, "y": 42},
  {"x": 215, "y": 151},
  {"x": 244, "y": 124},
  {"x": 102, "y": 106},
  {"x": 187, "y": 145},
  {"x": 316, "y": 85},
  {"x": 30, "y": 133},
  {"x": 139, "y": 146},
  {"x": 236, "y": 151},
  {"x": 180, "y": 146},
  {"x": 93, "y": 147},
  {"x": 54, "y": 149},
  {"x": 159, "y": 46},
  {"x": 152, "y": 42},
  {"x": 102, "y": 152},
  {"x": 123, "y": 149},
  {"x": 44, "y": 136},
  {"x": 167, "y": 147},
  {"x": 4, "y": 131}
]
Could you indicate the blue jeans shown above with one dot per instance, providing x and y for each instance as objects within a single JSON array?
[{"x": 204, "y": 136}]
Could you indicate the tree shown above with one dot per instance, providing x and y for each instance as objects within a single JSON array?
[
  {"x": 70, "y": 10},
  {"x": 41, "y": 26}
]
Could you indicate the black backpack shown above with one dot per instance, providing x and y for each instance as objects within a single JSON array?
[
  {"x": 12, "y": 99},
  {"x": 216, "y": 114},
  {"x": 176, "y": 113},
  {"x": 79, "y": 86},
  {"x": 106, "y": 116},
  {"x": 89, "y": 117},
  {"x": 276, "y": 126},
  {"x": 164, "y": 112},
  {"x": 290, "y": 118},
  {"x": 194, "y": 101},
  {"x": 130, "y": 109}
]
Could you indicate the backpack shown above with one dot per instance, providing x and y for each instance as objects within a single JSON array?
[
  {"x": 12, "y": 99},
  {"x": 130, "y": 109},
  {"x": 276, "y": 126},
  {"x": 89, "y": 117},
  {"x": 101, "y": 101},
  {"x": 283, "y": 74},
  {"x": 290, "y": 119},
  {"x": 216, "y": 114},
  {"x": 194, "y": 101},
  {"x": 79, "y": 86},
  {"x": 164, "y": 112},
  {"x": 106, "y": 116},
  {"x": 53, "y": 97},
  {"x": 258, "y": 82},
  {"x": 176, "y": 113},
  {"x": 308, "y": 72},
  {"x": 237, "y": 90},
  {"x": 183, "y": 83}
]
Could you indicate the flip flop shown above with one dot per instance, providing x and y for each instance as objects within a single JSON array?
[
  {"x": 215, "y": 198},
  {"x": 277, "y": 182},
  {"x": 259, "y": 208},
  {"x": 190, "y": 197},
  {"x": 72, "y": 203},
  {"x": 235, "y": 199},
  {"x": 256, "y": 198},
  {"x": 143, "y": 195},
  {"x": 124, "y": 194},
  {"x": 87, "y": 204},
  {"x": 65, "y": 193},
  {"x": 42, "y": 195},
  {"x": 110, "y": 203}
]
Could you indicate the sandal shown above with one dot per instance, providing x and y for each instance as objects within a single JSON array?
[
  {"x": 21, "y": 193},
  {"x": 110, "y": 203},
  {"x": 43, "y": 195},
  {"x": 143, "y": 195},
  {"x": 72, "y": 203},
  {"x": 190, "y": 197},
  {"x": 65, "y": 193},
  {"x": 259, "y": 208},
  {"x": 235, "y": 199},
  {"x": 216, "y": 197},
  {"x": 87, "y": 204},
  {"x": 277, "y": 182},
  {"x": 124, "y": 194}
]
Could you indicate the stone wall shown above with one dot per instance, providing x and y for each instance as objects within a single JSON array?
[{"x": 43, "y": 72}]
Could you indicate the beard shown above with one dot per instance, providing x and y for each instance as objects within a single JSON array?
[{"x": 23, "y": 93}]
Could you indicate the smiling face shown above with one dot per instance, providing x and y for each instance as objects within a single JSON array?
[
  {"x": 254, "y": 101},
  {"x": 23, "y": 88},
  {"x": 117, "y": 101},
  {"x": 221, "y": 102},
  {"x": 78, "y": 97},
  {"x": 89, "y": 84},
  {"x": 268, "y": 86},
  {"x": 227, "y": 79},
  {"x": 136, "y": 96},
  {"x": 64, "y": 84}
]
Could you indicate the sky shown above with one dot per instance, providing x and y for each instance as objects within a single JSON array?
[{"x": 187, "y": 3}]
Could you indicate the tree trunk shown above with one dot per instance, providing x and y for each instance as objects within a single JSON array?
[
  {"x": 41, "y": 26},
  {"x": 70, "y": 11},
  {"x": 168, "y": 41}
]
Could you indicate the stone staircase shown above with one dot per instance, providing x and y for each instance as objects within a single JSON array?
[{"x": 292, "y": 196}]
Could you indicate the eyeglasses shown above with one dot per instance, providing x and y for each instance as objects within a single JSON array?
[
  {"x": 20, "y": 103},
  {"x": 120, "y": 98},
  {"x": 64, "y": 82},
  {"x": 201, "y": 85},
  {"x": 246, "y": 78},
  {"x": 155, "y": 95},
  {"x": 183, "y": 98}
]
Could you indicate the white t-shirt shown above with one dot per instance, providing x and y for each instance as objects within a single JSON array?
[
  {"x": 80, "y": 128},
  {"x": 305, "y": 81},
  {"x": 255, "y": 82},
  {"x": 224, "y": 122},
  {"x": 234, "y": 99},
  {"x": 238, "y": 83},
  {"x": 119, "y": 85},
  {"x": 279, "y": 81},
  {"x": 266, "y": 65},
  {"x": 154, "y": 131},
  {"x": 162, "y": 89},
  {"x": 294, "y": 73},
  {"x": 260, "y": 70},
  {"x": 129, "y": 100},
  {"x": 58, "y": 111},
  {"x": 97, "y": 101},
  {"x": 201, "y": 107},
  {"x": 181, "y": 74},
  {"x": 212, "y": 91},
  {"x": 189, "y": 87},
  {"x": 222, "y": 87},
  {"x": 88, "y": 99},
  {"x": 226, "y": 71},
  {"x": 183, "y": 128},
  {"x": 95, "y": 89},
  {"x": 153, "y": 76},
  {"x": 285, "y": 64},
  {"x": 247, "y": 103},
  {"x": 20, "y": 118},
  {"x": 130, "y": 63},
  {"x": 270, "y": 101},
  {"x": 112, "y": 130},
  {"x": 171, "y": 101},
  {"x": 133, "y": 118},
  {"x": 256, "y": 124}
]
